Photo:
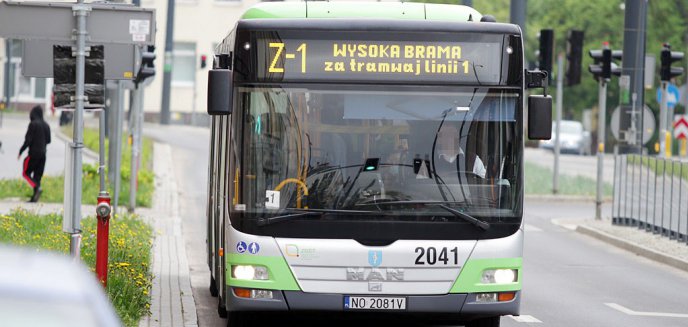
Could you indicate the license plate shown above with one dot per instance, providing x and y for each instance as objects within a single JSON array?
[{"x": 374, "y": 303}]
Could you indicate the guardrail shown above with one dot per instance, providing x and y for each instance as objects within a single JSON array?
[{"x": 651, "y": 193}]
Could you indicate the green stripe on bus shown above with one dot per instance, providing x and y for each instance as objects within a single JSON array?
[
  {"x": 469, "y": 280},
  {"x": 279, "y": 273}
]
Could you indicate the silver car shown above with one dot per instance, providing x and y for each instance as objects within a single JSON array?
[
  {"x": 574, "y": 139},
  {"x": 49, "y": 290}
]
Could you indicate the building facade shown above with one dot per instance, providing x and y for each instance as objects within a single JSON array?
[{"x": 199, "y": 25}]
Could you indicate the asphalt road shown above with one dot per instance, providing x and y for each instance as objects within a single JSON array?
[{"x": 570, "y": 279}]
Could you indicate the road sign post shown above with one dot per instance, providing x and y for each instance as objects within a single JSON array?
[
  {"x": 664, "y": 139},
  {"x": 559, "y": 109},
  {"x": 601, "y": 130}
]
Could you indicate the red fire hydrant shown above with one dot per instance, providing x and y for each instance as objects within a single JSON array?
[{"x": 103, "y": 211}]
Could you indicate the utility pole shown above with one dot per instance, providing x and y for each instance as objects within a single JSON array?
[
  {"x": 7, "y": 86},
  {"x": 167, "y": 70},
  {"x": 559, "y": 109},
  {"x": 517, "y": 14},
  {"x": 633, "y": 66}
]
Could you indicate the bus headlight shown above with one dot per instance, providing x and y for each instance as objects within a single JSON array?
[
  {"x": 250, "y": 272},
  {"x": 499, "y": 276}
]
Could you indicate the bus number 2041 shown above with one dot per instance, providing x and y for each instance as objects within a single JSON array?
[{"x": 432, "y": 256}]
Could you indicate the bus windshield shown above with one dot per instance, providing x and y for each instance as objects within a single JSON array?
[{"x": 395, "y": 152}]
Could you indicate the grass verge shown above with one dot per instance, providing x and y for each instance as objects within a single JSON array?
[
  {"x": 53, "y": 186},
  {"x": 660, "y": 165},
  {"x": 129, "y": 279},
  {"x": 539, "y": 181}
]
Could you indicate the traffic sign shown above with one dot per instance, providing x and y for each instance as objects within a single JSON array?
[
  {"x": 648, "y": 123},
  {"x": 674, "y": 95},
  {"x": 54, "y": 21},
  {"x": 681, "y": 126}
]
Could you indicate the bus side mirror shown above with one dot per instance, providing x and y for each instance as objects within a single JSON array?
[
  {"x": 219, "y": 92},
  {"x": 539, "y": 117}
]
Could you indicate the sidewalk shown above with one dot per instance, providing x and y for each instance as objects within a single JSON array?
[{"x": 172, "y": 302}]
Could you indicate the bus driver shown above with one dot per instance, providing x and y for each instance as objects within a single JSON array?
[{"x": 450, "y": 157}]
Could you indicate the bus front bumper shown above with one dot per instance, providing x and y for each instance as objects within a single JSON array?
[{"x": 464, "y": 305}]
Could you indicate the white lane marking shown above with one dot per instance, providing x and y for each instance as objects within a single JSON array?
[
  {"x": 647, "y": 314},
  {"x": 525, "y": 318},
  {"x": 531, "y": 228}
]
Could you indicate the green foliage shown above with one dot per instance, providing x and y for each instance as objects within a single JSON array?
[{"x": 129, "y": 277}]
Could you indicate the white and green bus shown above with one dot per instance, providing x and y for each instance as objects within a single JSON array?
[{"x": 369, "y": 157}]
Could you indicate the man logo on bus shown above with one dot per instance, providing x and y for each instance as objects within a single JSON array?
[{"x": 375, "y": 258}]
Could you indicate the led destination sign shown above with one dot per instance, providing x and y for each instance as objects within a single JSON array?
[{"x": 347, "y": 60}]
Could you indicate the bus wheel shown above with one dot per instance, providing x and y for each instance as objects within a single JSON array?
[
  {"x": 239, "y": 319},
  {"x": 213, "y": 287},
  {"x": 221, "y": 309},
  {"x": 484, "y": 322}
]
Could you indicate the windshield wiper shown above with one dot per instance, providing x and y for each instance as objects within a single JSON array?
[
  {"x": 475, "y": 221},
  {"x": 293, "y": 213},
  {"x": 442, "y": 204},
  {"x": 287, "y": 216}
]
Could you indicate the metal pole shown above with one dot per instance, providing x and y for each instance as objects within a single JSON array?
[
  {"x": 80, "y": 11},
  {"x": 139, "y": 129},
  {"x": 6, "y": 84},
  {"x": 615, "y": 188},
  {"x": 635, "y": 16},
  {"x": 134, "y": 122},
  {"x": 101, "y": 150},
  {"x": 560, "y": 104},
  {"x": 119, "y": 121},
  {"x": 663, "y": 109},
  {"x": 167, "y": 74},
  {"x": 601, "y": 130},
  {"x": 517, "y": 13}
]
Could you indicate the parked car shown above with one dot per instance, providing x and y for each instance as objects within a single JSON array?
[
  {"x": 47, "y": 289},
  {"x": 574, "y": 139}
]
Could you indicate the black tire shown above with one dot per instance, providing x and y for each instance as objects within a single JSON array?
[
  {"x": 213, "y": 287},
  {"x": 221, "y": 309},
  {"x": 484, "y": 322},
  {"x": 239, "y": 319}
]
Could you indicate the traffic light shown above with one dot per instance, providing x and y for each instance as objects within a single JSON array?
[
  {"x": 147, "y": 68},
  {"x": 574, "y": 56},
  {"x": 546, "y": 51},
  {"x": 666, "y": 72},
  {"x": 604, "y": 67},
  {"x": 204, "y": 61}
]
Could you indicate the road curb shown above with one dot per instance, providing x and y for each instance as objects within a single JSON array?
[{"x": 634, "y": 248}]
